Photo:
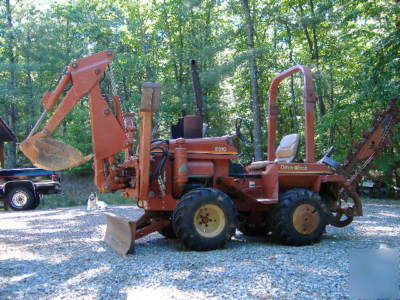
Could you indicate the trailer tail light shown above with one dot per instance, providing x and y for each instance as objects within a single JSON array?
[{"x": 55, "y": 177}]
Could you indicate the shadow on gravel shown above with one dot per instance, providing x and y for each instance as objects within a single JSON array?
[{"x": 70, "y": 259}]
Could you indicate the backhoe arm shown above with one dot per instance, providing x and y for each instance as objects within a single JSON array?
[{"x": 108, "y": 133}]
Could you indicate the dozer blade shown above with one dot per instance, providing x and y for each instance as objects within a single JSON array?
[
  {"x": 50, "y": 154},
  {"x": 120, "y": 234}
]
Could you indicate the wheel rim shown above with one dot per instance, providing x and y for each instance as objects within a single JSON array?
[
  {"x": 19, "y": 199},
  {"x": 209, "y": 220},
  {"x": 305, "y": 219}
]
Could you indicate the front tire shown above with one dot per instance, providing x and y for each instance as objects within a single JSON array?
[
  {"x": 168, "y": 232},
  {"x": 204, "y": 219},
  {"x": 21, "y": 198},
  {"x": 300, "y": 218}
]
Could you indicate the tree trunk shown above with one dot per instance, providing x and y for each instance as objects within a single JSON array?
[
  {"x": 180, "y": 71},
  {"x": 312, "y": 41},
  {"x": 31, "y": 110},
  {"x": 125, "y": 88},
  {"x": 294, "y": 125},
  {"x": 11, "y": 107},
  {"x": 331, "y": 97},
  {"x": 322, "y": 109},
  {"x": 146, "y": 40},
  {"x": 258, "y": 151}
]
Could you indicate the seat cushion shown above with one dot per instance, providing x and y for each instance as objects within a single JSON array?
[
  {"x": 285, "y": 152},
  {"x": 261, "y": 164},
  {"x": 287, "y": 148}
]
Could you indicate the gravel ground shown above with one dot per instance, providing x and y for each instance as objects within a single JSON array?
[{"x": 59, "y": 254}]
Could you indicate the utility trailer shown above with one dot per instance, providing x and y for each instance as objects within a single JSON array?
[{"x": 22, "y": 189}]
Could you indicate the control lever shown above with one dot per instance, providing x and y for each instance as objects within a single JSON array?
[{"x": 326, "y": 159}]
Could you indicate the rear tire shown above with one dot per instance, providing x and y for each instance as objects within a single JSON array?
[
  {"x": 21, "y": 198},
  {"x": 204, "y": 219},
  {"x": 300, "y": 218}
]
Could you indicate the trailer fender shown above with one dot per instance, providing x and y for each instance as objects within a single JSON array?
[{"x": 14, "y": 183}]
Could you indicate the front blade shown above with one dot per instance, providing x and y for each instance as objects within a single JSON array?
[
  {"x": 50, "y": 154},
  {"x": 120, "y": 234}
]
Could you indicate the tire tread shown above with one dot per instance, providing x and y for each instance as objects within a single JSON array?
[
  {"x": 181, "y": 222},
  {"x": 282, "y": 229}
]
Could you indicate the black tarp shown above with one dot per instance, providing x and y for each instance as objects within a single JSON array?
[{"x": 6, "y": 134}]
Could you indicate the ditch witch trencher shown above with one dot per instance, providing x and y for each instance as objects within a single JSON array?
[{"x": 190, "y": 188}]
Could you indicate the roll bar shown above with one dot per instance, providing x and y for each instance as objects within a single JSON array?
[{"x": 309, "y": 107}]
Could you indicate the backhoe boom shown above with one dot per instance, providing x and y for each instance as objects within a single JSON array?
[{"x": 108, "y": 133}]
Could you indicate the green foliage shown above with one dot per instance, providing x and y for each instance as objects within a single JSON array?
[{"x": 352, "y": 46}]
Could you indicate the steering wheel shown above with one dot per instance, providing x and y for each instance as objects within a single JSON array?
[
  {"x": 246, "y": 143},
  {"x": 238, "y": 126}
]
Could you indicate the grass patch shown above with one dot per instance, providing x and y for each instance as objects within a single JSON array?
[{"x": 76, "y": 190}]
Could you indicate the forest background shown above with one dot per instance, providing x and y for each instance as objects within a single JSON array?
[{"x": 352, "y": 47}]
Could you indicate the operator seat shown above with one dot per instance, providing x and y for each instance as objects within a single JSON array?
[
  {"x": 287, "y": 148},
  {"x": 285, "y": 152}
]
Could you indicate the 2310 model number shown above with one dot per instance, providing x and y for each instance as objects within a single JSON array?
[{"x": 220, "y": 149}]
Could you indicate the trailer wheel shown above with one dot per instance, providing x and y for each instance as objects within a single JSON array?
[
  {"x": 168, "y": 232},
  {"x": 21, "y": 198},
  {"x": 300, "y": 218},
  {"x": 204, "y": 219},
  {"x": 38, "y": 198}
]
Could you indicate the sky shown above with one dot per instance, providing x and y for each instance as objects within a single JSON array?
[{"x": 45, "y": 4}]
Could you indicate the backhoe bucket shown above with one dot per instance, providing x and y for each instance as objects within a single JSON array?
[
  {"x": 120, "y": 234},
  {"x": 50, "y": 154}
]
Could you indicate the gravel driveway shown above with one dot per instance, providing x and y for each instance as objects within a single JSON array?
[{"x": 59, "y": 253}]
